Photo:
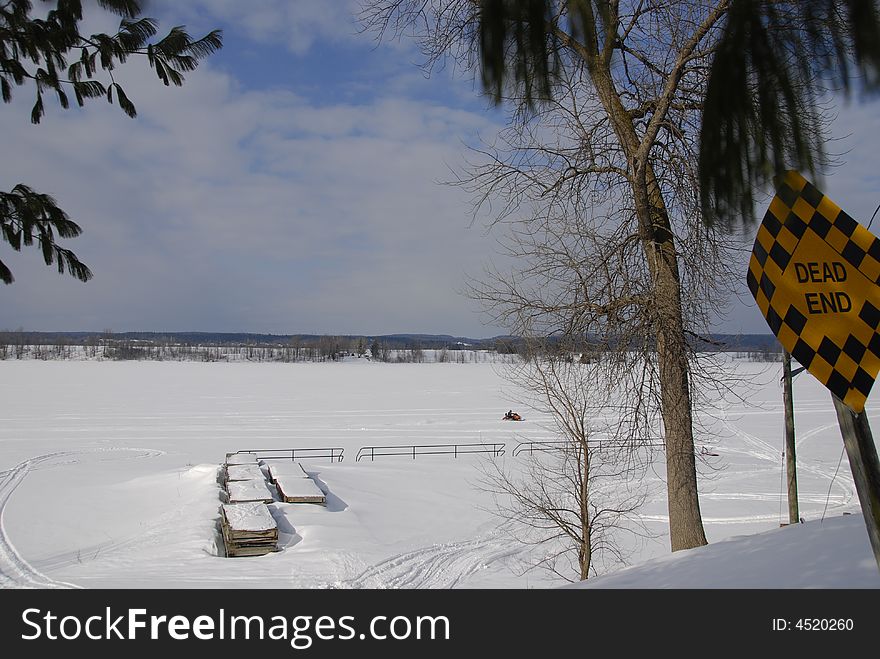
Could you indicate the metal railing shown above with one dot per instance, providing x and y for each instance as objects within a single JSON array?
[
  {"x": 531, "y": 447},
  {"x": 413, "y": 450},
  {"x": 335, "y": 453},
  {"x": 558, "y": 445}
]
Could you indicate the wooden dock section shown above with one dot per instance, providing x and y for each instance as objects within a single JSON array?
[
  {"x": 287, "y": 470},
  {"x": 246, "y": 472},
  {"x": 248, "y": 529},
  {"x": 299, "y": 490},
  {"x": 249, "y": 491}
]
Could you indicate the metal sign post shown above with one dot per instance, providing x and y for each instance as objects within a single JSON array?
[
  {"x": 815, "y": 274},
  {"x": 865, "y": 466},
  {"x": 790, "y": 457}
]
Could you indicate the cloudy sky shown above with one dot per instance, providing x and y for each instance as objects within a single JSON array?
[{"x": 292, "y": 185}]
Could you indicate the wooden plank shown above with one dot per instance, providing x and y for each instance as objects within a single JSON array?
[
  {"x": 286, "y": 469},
  {"x": 251, "y": 490},
  {"x": 235, "y": 548},
  {"x": 246, "y": 538},
  {"x": 299, "y": 490},
  {"x": 236, "y": 551}
]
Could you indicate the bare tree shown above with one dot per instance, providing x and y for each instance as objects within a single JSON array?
[{"x": 576, "y": 497}]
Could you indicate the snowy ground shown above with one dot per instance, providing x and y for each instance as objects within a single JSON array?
[{"x": 108, "y": 478}]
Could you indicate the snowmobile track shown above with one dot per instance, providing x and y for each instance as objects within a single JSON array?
[{"x": 15, "y": 571}]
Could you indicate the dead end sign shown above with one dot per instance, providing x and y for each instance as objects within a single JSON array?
[{"x": 814, "y": 273}]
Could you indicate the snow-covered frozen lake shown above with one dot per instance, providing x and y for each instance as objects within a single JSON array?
[{"x": 108, "y": 472}]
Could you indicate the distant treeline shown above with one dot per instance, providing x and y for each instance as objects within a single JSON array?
[
  {"x": 393, "y": 341},
  {"x": 207, "y": 347},
  {"x": 410, "y": 348}
]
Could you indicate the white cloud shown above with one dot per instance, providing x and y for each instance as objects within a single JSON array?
[
  {"x": 219, "y": 209},
  {"x": 297, "y": 24}
]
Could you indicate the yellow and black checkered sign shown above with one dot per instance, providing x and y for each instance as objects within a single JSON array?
[{"x": 814, "y": 273}]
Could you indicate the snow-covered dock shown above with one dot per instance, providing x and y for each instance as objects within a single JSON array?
[
  {"x": 286, "y": 469},
  {"x": 248, "y": 529},
  {"x": 249, "y": 490},
  {"x": 299, "y": 490},
  {"x": 245, "y": 472}
]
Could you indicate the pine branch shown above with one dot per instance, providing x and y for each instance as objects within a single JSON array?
[
  {"x": 26, "y": 39},
  {"x": 27, "y": 217},
  {"x": 760, "y": 113}
]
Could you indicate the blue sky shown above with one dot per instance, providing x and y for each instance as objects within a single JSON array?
[{"x": 291, "y": 186}]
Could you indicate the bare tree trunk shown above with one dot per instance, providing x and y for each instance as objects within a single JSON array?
[
  {"x": 585, "y": 551},
  {"x": 685, "y": 521},
  {"x": 655, "y": 232}
]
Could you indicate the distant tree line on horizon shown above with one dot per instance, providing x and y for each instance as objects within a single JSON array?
[
  {"x": 213, "y": 347},
  {"x": 20, "y": 344}
]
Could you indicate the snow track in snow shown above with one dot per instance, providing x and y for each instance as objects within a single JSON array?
[
  {"x": 446, "y": 565},
  {"x": 15, "y": 571},
  {"x": 764, "y": 451}
]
